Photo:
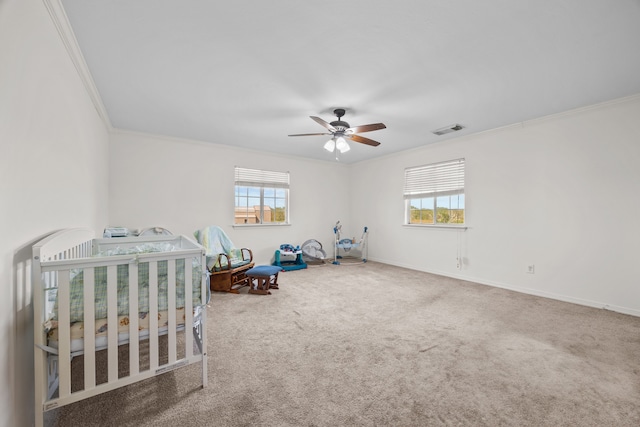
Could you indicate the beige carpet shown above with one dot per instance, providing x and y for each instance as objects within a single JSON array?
[{"x": 375, "y": 345}]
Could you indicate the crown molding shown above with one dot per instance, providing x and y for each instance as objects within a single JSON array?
[{"x": 63, "y": 26}]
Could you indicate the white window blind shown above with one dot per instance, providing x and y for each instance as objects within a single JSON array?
[
  {"x": 437, "y": 179},
  {"x": 261, "y": 178}
]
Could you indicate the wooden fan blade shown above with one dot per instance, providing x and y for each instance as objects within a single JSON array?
[
  {"x": 309, "y": 134},
  {"x": 366, "y": 128},
  {"x": 323, "y": 123},
  {"x": 363, "y": 140}
]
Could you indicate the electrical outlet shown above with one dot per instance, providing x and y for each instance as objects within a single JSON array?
[{"x": 531, "y": 269}]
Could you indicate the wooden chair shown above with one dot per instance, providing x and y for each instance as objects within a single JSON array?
[{"x": 227, "y": 264}]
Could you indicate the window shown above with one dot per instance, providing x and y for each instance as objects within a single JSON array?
[
  {"x": 434, "y": 194},
  {"x": 262, "y": 197}
]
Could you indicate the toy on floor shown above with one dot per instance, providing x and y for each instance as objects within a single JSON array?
[
  {"x": 312, "y": 252},
  {"x": 289, "y": 258},
  {"x": 347, "y": 244}
]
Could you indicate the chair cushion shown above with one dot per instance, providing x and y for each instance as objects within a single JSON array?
[
  {"x": 235, "y": 263},
  {"x": 239, "y": 263},
  {"x": 263, "y": 270}
]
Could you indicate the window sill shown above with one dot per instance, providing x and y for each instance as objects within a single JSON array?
[
  {"x": 260, "y": 225},
  {"x": 438, "y": 226}
]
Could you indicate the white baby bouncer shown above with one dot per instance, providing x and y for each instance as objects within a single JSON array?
[
  {"x": 312, "y": 252},
  {"x": 349, "y": 249}
]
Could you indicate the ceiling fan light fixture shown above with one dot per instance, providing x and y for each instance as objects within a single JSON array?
[
  {"x": 342, "y": 145},
  {"x": 330, "y": 145},
  {"x": 341, "y": 131}
]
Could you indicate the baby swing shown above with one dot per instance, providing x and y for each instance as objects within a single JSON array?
[{"x": 346, "y": 245}]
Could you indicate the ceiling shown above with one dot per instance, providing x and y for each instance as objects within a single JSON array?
[{"x": 249, "y": 73}]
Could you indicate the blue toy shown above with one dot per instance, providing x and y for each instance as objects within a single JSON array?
[{"x": 294, "y": 255}]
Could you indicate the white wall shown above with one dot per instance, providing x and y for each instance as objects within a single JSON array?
[
  {"x": 559, "y": 192},
  {"x": 187, "y": 185},
  {"x": 53, "y": 174}
]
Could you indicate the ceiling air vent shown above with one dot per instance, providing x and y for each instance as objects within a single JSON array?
[{"x": 448, "y": 129}]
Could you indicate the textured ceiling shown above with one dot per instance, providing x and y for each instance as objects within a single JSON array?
[{"x": 248, "y": 73}]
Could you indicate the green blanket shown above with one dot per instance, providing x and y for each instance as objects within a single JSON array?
[{"x": 100, "y": 286}]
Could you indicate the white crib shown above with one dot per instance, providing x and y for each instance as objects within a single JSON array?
[{"x": 160, "y": 278}]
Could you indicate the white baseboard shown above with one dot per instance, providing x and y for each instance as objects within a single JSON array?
[{"x": 528, "y": 291}]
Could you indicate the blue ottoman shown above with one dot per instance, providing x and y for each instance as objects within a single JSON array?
[{"x": 262, "y": 278}]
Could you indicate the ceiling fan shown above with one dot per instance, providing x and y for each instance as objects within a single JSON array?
[{"x": 340, "y": 131}]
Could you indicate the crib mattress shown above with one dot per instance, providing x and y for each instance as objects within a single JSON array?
[{"x": 77, "y": 330}]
